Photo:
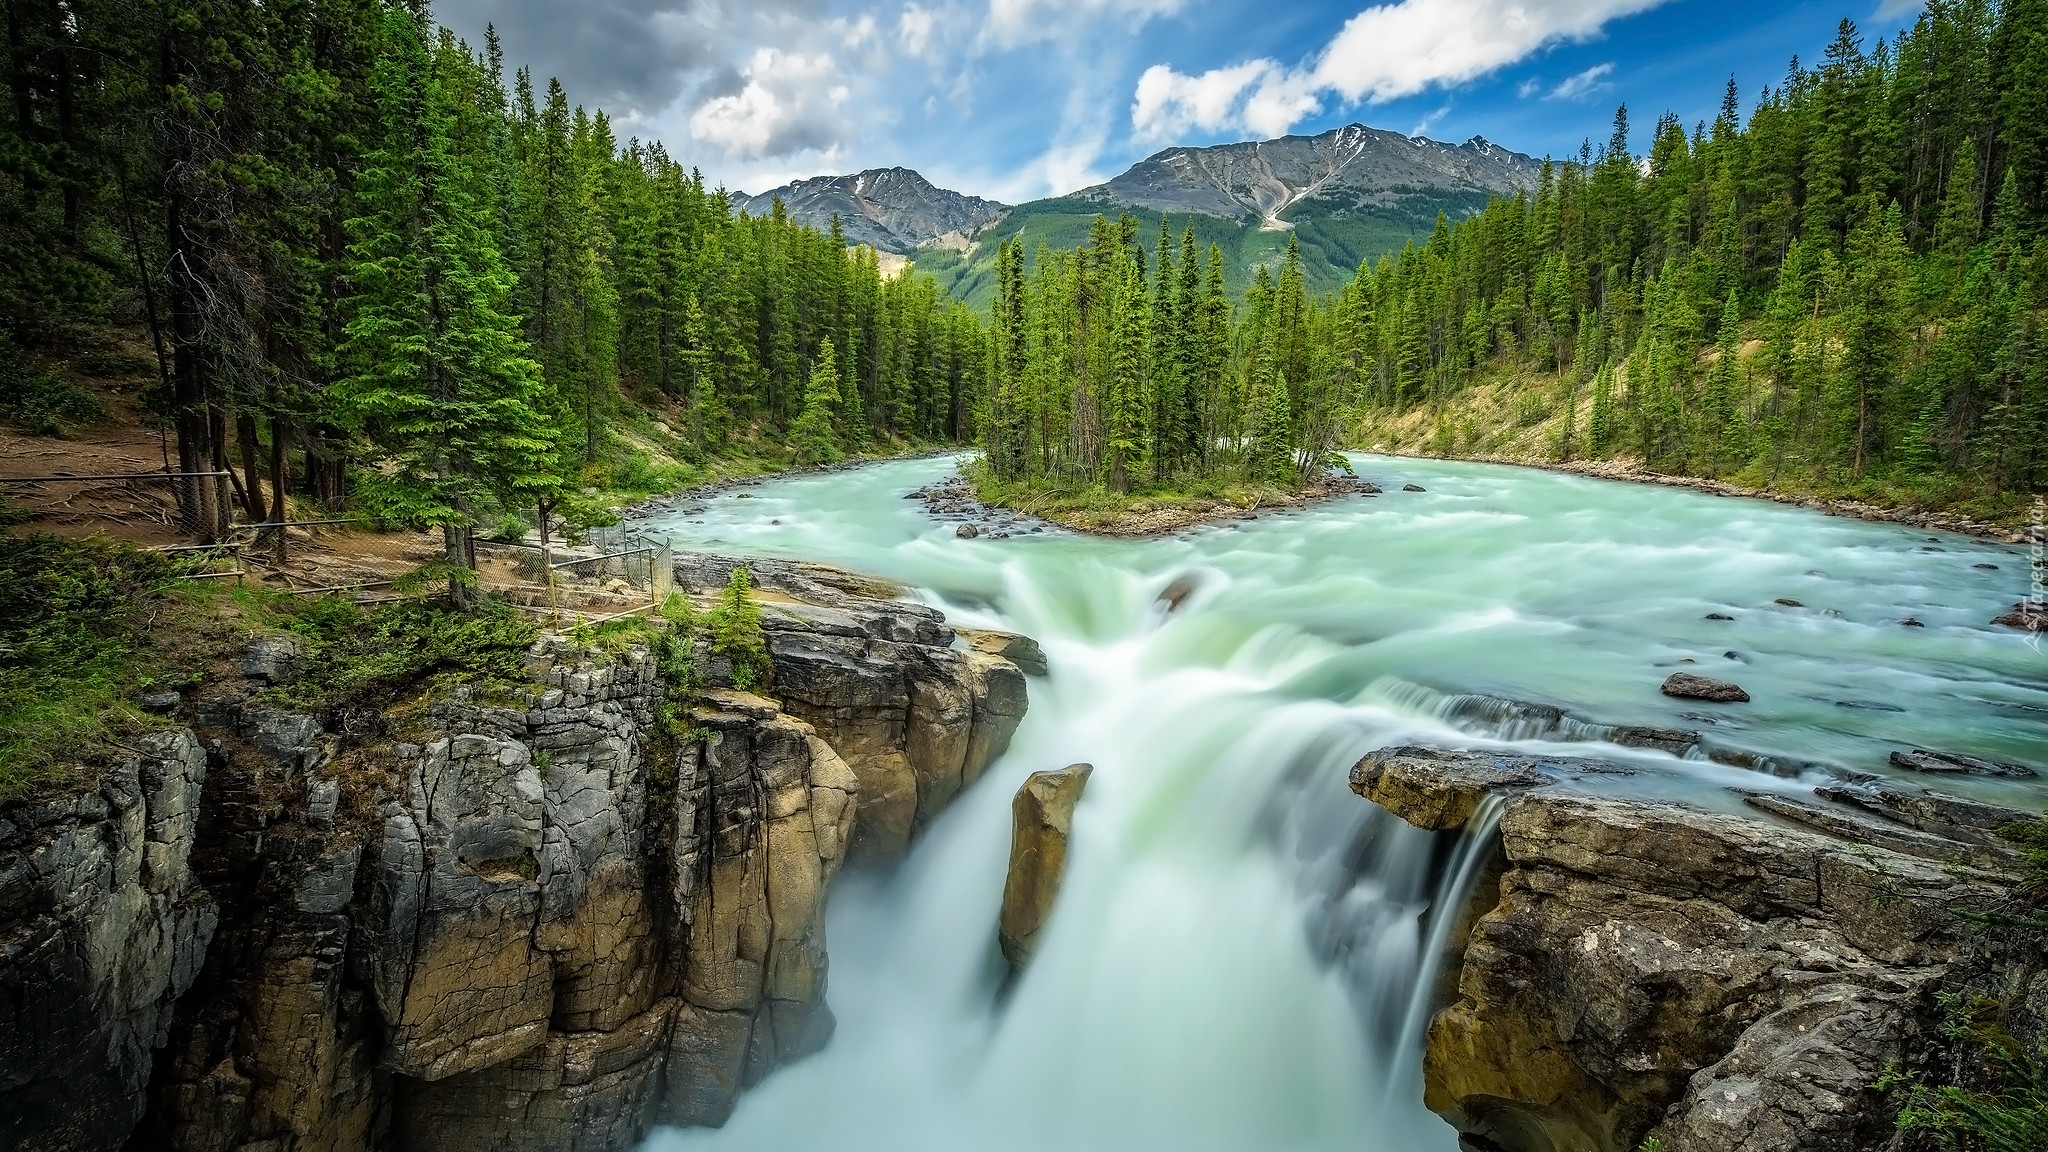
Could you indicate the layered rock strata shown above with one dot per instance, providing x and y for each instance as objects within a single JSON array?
[
  {"x": 1643, "y": 968},
  {"x": 547, "y": 918}
]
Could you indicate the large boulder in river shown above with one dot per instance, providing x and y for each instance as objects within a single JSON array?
[
  {"x": 1041, "y": 818},
  {"x": 1018, "y": 649},
  {"x": 1687, "y": 686},
  {"x": 1725, "y": 983}
]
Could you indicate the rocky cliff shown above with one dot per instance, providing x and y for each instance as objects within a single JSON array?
[
  {"x": 1720, "y": 980},
  {"x": 543, "y": 918}
]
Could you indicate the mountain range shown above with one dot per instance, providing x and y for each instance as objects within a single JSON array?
[{"x": 1347, "y": 195}]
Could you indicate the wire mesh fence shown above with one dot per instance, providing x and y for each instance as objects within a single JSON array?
[
  {"x": 186, "y": 505},
  {"x": 634, "y": 567}
]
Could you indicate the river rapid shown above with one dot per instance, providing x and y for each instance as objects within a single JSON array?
[{"x": 1243, "y": 953}]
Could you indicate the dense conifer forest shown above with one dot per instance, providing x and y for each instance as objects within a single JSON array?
[{"x": 376, "y": 270}]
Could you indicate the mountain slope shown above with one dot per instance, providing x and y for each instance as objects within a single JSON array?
[
  {"x": 894, "y": 209},
  {"x": 1348, "y": 195}
]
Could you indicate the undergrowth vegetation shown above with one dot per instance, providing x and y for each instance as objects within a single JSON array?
[
  {"x": 371, "y": 658},
  {"x": 39, "y": 401},
  {"x": 82, "y": 630}
]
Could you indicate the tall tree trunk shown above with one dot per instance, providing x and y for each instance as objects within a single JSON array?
[
  {"x": 252, "y": 488},
  {"x": 280, "y": 474}
]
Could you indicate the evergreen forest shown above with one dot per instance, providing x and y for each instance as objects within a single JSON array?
[
  {"x": 1843, "y": 292},
  {"x": 377, "y": 272}
]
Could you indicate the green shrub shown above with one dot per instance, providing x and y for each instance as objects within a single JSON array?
[{"x": 511, "y": 529}]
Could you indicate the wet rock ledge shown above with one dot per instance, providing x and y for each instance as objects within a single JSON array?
[
  {"x": 1719, "y": 981},
  {"x": 540, "y": 919}
]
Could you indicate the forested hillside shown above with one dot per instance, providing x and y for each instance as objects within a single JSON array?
[
  {"x": 373, "y": 268},
  {"x": 1843, "y": 293}
]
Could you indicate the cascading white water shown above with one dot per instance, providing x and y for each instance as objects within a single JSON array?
[{"x": 1243, "y": 954}]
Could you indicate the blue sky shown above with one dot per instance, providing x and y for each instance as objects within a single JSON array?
[{"x": 1017, "y": 99}]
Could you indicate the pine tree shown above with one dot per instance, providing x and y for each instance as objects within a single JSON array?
[
  {"x": 1271, "y": 459},
  {"x": 1726, "y": 428},
  {"x": 735, "y": 628},
  {"x": 1123, "y": 416}
]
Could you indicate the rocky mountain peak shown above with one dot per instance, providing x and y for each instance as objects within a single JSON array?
[
  {"x": 893, "y": 209},
  {"x": 1346, "y": 168}
]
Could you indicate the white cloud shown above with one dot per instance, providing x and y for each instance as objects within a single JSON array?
[
  {"x": 1582, "y": 83},
  {"x": 790, "y": 103},
  {"x": 1429, "y": 121},
  {"x": 1529, "y": 87},
  {"x": 914, "y": 29},
  {"x": 1167, "y": 103},
  {"x": 1384, "y": 53},
  {"x": 1897, "y": 9}
]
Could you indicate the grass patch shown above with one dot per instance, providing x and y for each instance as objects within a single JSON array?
[{"x": 84, "y": 626}]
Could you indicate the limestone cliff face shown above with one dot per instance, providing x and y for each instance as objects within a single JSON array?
[
  {"x": 543, "y": 920},
  {"x": 1721, "y": 982},
  {"x": 102, "y": 928}
]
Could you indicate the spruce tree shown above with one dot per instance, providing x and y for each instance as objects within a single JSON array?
[
  {"x": 439, "y": 381},
  {"x": 811, "y": 437}
]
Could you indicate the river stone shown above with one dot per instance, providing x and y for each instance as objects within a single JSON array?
[
  {"x": 2025, "y": 615},
  {"x": 1413, "y": 488},
  {"x": 1041, "y": 818},
  {"x": 1925, "y": 760},
  {"x": 967, "y": 531},
  {"x": 1788, "y": 602},
  {"x": 1688, "y": 686}
]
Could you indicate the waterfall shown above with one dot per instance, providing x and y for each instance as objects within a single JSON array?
[{"x": 1245, "y": 956}]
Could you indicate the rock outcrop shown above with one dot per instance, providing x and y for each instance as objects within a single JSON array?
[
  {"x": 1041, "y": 819},
  {"x": 540, "y": 918},
  {"x": 916, "y": 719},
  {"x": 1644, "y": 968}
]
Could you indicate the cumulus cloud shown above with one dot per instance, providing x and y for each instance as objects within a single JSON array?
[
  {"x": 789, "y": 102},
  {"x": 1384, "y": 53},
  {"x": 1167, "y": 103},
  {"x": 914, "y": 29},
  {"x": 1582, "y": 84}
]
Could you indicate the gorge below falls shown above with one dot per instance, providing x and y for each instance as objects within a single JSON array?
[{"x": 1244, "y": 955}]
